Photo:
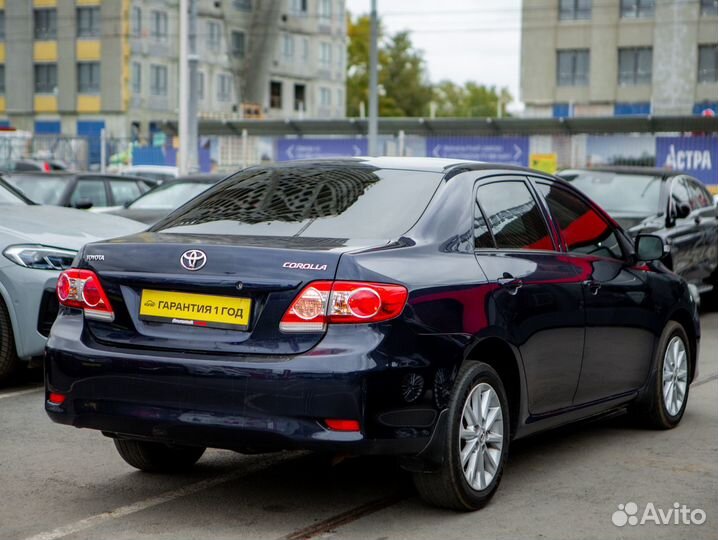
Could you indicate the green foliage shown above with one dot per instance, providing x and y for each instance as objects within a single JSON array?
[{"x": 404, "y": 88}]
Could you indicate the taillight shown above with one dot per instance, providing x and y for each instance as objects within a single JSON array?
[
  {"x": 82, "y": 289},
  {"x": 342, "y": 302}
]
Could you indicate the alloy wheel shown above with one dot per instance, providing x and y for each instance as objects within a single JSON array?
[
  {"x": 481, "y": 436},
  {"x": 675, "y": 375}
]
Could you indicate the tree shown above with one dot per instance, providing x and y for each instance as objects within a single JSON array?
[
  {"x": 470, "y": 100},
  {"x": 403, "y": 86}
]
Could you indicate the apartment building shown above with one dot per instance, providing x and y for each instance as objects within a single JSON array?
[
  {"x": 619, "y": 57},
  {"x": 78, "y": 66}
]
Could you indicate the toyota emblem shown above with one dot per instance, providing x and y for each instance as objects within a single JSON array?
[{"x": 193, "y": 259}]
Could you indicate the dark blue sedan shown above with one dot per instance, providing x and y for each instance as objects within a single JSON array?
[{"x": 431, "y": 309}]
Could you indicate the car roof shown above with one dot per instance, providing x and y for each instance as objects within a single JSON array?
[
  {"x": 67, "y": 175},
  {"x": 198, "y": 178},
  {"x": 627, "y": 169}
]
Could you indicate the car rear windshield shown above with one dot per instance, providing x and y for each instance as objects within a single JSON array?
[
  {"x": 311, "y": 201},
  {"x": 42, "y": 189},
  {"x": 637, "y": 194}
]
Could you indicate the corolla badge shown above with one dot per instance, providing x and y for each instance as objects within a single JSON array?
[{"x": 193, "y": 259}]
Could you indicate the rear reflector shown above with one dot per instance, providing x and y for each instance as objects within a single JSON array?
[
  {"x": 82, "y": 289},
  {"x": 343, "y": 302},
  {"x": 342, "y": 425},
  {"x": 56, "y": 398}
]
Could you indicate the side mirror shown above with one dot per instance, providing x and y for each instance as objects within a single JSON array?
[
  {"x": 649, "y": 247},
  {"x": 682, "y": 210},
  {"x": 83, "y": 204}
]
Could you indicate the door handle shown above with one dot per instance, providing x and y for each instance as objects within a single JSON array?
[
  {"x": 511, "y": 284},
  {"x": 593, "y": 286}
]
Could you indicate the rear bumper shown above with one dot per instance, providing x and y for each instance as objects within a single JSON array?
[{"x": 229, "y": 402}]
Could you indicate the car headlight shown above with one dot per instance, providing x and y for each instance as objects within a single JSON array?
[{"x": 40, "y": 257}]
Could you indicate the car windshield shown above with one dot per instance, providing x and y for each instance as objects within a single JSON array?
[
  {"x": 319, "y": 201},
  {"x": 7, "y": 197},
  {"x": 637, "y": 194},
  {"x": 42, "y": 189},
  {"x": 169, "y": 196}
]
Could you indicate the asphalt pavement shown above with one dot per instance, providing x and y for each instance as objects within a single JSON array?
[{"x": 63, "y": 483}]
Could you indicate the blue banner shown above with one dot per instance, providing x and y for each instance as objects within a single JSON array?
[
  {"x": 697, "y": 156},
  {"x": 290, "y": 149},
  {"x": 508, "y": 150}
]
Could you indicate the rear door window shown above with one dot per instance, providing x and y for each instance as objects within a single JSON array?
[
  {"x": 315, "y": 200},
  {"x": 583, "y": 229},
  {"x": 124, "y": 191},
  {"x": 514, "y": 217},
  {"x": 700, "y": 197},
  {"x": 89, "y": 190}
]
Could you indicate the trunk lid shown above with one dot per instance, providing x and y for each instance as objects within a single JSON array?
[{"x": 269, "y": 271}]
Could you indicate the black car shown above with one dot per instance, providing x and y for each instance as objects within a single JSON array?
[
  {"x": 78, "y": 190},
  {"x": 670, "y": 204},
  {"x": 435, "y": 310},
  {"x": 163, "y": 199}
]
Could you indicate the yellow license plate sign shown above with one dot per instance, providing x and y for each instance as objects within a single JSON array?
[{"x": 195, "y": 309}]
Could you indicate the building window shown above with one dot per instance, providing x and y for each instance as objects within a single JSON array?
[
  {"x": 325, "y": 54},
  {"x": 239, "y": 43},
  {"x": 213, "y": 35},
  {"x": 288, "y": 46},
  {"x": 2, "y": 78},
  {"x": 242, "y": 5},
  {"x": 325, "y": 97},
  {"x": 709, "y": 7},
  {"x": 708, "y": 63},
  {"x": 635, "y": 65},
  {"x": 45, "y": 78},
  {"x": 2, "y": 24},
  {"x": 136, "y": 77},
  {"x": 159, "y": 25},
  {"x": 299, "y": 8},
  {"x": 88, "y": 77},
  {"x": 572, "y": 10},
  {"x": 305, "y": 49},
  {"x": 158, "y": 80},
  {"x": 275, "y": 95},
  {"x": 340, "y": 98},
  {"x": 300, "y": 97},
  {"x": 572, "y": 67},
  {"x": 45, "y": 23},
  {"x": 224, "y": 87},
  {"x": 325, "y": 11},
  {"x": 136, "y": 21},
  {"x": 637, "y": 9},
  {"x": 88, "y": 22},
  {"x": 340, "y": 57},
  {"x": 200, "y": 85}
]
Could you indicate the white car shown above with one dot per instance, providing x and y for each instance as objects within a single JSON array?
[{"x": 36, "y": 243}]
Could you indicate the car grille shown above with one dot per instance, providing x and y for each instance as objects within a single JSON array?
[{"x": 48, "y": 312}]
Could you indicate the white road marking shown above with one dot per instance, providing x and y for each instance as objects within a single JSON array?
[
  {"x": 21, "y": 392},
  {"x": 122, "y": 511}
]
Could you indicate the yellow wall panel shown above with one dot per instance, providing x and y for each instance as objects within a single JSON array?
[
  {"x": 44, "y": 3},
  {"x": 88, "y": 2},
  {"x": 44, "y": 51},
  {"x": 88, "y": 50},
  {"x": 2, "y": 53},
  {"x": 45, "y": 104},
  {"x": 2, "y": 103},
  {"x": 88, "y": 104},
  {"x": 2, "y": 4}
]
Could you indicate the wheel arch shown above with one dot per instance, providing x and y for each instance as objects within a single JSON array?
[
  {"x": 683, "y": 317},
  {"x": 505, "y": 359},
  {"x": 14, "y": 326}
]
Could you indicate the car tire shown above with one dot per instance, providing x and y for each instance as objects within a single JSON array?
[
  {"x": 665, "y": 400},
  {"x": 467, "y": 441},
  {"x": 9, "y": 362},
  {"x": 158, "y": 457}
]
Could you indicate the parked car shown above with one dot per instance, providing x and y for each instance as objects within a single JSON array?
[
  {"x": 156, "y": 173},
  {"x": 432, "y": 309},
  {"x": 670, "y": 204},
  {"x": 78, "y": 190},
  {"x": 37, "y": 165},
  {"x": 160, "y": 201},
  {"x": 37, "y": 242}
]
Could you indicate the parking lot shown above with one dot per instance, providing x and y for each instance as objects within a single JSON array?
[{"x": 60, "y": 483}]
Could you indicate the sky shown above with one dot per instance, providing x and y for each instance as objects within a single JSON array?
[{"x": 462, "y": 40}]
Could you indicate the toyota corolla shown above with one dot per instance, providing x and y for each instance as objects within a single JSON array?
[{"x": 434, "y": 310}]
